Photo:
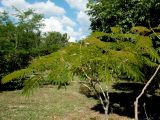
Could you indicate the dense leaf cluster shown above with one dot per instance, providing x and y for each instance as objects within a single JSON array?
[
  {"x": 103, "y": 56},
  {"x": 126, "y": 13},
  {"x": 21, "y": 40}
]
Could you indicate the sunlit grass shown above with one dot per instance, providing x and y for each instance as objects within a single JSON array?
[{"x": 49, "y": 103}]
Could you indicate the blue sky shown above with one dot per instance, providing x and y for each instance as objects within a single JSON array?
[{"x": 65, "y": 16}]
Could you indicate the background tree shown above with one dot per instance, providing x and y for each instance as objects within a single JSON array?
[
  {"x": 53, "y": 41},
  {"x": 21, "y": 40},
  {"x": 125, "y": 13}
]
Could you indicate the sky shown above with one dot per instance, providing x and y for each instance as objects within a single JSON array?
[{"x": 65, "y": 16}]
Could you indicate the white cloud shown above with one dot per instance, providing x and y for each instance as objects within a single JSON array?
[
  {"x": 47, "y": 8},
  {"x": 67, "y": 21},
  {"x": 72, "y": 39},
  {"x": 84, "y": 22},
  {"x": 57, "y": 24},
  {"x": 52, "y": 24},
  {"x": 72, "y": 32},
  {"x": 21, "y": 4},
  {"x": 55, "y": 18},
  {"x": 83, "y": 18},
  {"x": 1, "y": 9},
  {"x": 77, "y": 4}
]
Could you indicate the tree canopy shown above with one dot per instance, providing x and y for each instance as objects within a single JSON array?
[
  {"x": 21, "y": 40},
  {"x": 125, "y": 13},
  {"x": 102, "y": 56}
]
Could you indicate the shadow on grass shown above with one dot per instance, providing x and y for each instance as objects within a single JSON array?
[
  {"x": 18, "y": 85},
  {"x": 11, "y": 86},
  {"x": 122, "y": 103}
]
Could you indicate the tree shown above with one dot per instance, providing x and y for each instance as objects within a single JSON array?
[
  {"x": 53, "y": 41},
  {"x": 21, "y": 40},
  {"x": 125, "y": 13},
  {"x": 6, "y": 41},
  {"x": 56, "y": 38},
  {"x": 100, "y": 58},
  {"x": 143, "y": 91}
]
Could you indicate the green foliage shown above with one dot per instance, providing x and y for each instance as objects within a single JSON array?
[
  {"x": 22, "y": 41},
  {"x": 56, "y": 38},
  {"x": 155, "y": 36},
  {"x": 140, "y": 30},
  {"x": 116, "y": 29},
  {"x": 19, "y": 75},
  {"x": 103, "y": 56},
  {"x": 52, "y": 41},
  {"x": 125, "y": 13}
]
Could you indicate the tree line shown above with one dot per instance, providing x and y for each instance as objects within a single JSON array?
[{"x": 21, "y": 40}]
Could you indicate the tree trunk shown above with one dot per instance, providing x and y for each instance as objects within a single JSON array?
[
  {"x": 106, "y": 111},
  {"x": 142, "y": 92}
]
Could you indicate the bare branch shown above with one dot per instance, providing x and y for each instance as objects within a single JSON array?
[
  {"x": 154, "y": 31},
  {"x": 142, "y": 92},
  {"x": 87, "y": 86},
  {"x": 84, "y": 82},
  {"x": 102, "y": 91},
  {"x": 86, "y": 74},
  {"x": 144, "y": 106}
]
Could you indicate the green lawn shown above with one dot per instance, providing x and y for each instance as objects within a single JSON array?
[{"x": 48, "y": 103}]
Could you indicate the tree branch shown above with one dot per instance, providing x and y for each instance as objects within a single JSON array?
[{"x": 142, "y": 92}]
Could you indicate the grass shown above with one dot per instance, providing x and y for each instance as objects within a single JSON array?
[{"x": 48, "y": 103}]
